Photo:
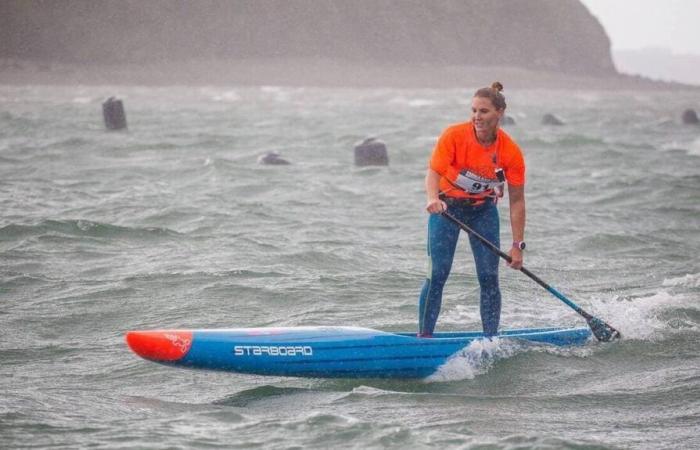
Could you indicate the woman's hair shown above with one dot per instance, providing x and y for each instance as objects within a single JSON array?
[{"x": 493, "y": 93}]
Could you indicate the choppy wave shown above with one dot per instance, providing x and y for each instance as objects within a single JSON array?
[
  {"x": 80, "y": 227},
  {"x": 647, "y": 317},
  {"x": 695, "y": 147},
  {"x": 689, "y": 280},
  {"x": 566, "y": 140},
  {"x": 476, "y": 359},
  {"x": 172, "y": 223},
  {"x": 245, "y": 398}
]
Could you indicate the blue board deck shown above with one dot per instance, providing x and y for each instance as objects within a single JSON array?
[{"x": 323, "y": 352}]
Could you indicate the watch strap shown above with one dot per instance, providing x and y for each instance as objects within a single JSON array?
[{"x": 519, "y": 245}]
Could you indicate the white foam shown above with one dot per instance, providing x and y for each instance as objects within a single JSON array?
[
  {"x": 460, "y": 315},
  {"x": 475, "y": 359},
  {"x": 640, "y": 318},
  {"x": 413, "y": 102},
  {"x": 694, "y": 148},
  {"x": 691, "y": 148},
  {"x": 368, "y": 391},
  {"x": 689, "y": 280},
  {"x": 227, "y": 96},
  {"x": 271, "y": 89}
]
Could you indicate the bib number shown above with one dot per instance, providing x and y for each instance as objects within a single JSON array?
[{"x": 474, "y": 184}]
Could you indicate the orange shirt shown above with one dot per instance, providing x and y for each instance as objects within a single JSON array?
[{"x": 458, "y": 149}]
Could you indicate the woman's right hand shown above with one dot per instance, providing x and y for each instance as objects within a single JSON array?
[{"x": 436, "y": 206}]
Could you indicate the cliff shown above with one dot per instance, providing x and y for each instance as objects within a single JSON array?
[{"x": 542, "y": 35}]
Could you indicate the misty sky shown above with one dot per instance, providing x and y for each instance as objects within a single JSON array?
[{"x": 636, "y": 24}]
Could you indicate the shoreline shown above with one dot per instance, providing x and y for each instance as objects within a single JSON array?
[{"x": 311, "y": 73}]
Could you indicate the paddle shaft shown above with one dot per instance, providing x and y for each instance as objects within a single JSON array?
[{"x": 507, "y": 257}]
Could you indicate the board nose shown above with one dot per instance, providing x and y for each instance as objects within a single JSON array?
[{"x": 160, "y": 345}]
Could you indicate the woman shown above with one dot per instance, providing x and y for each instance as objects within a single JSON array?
[{"x": 467, "y": 170}]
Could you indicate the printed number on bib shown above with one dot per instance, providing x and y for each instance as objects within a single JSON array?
[{"x": 474, "y": 184}]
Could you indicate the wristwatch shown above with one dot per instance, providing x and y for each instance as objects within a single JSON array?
[{"x": 519, "y": 244}]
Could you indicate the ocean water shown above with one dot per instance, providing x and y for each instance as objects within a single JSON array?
[{"x": 174, "y": 224}]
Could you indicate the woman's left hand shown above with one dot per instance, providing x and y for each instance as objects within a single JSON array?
[{"x": 516, "y": 258}]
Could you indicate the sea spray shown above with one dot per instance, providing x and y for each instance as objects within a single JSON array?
[
  {"x": 689, "y": 281},
  {"x": 643, "y": 317},
  {"x": 476, "y": 359}
]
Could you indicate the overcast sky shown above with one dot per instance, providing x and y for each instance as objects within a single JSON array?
[{"x": 635, "y": 24}]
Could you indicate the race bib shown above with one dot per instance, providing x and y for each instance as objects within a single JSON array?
[{"x": 475, "y": 184}]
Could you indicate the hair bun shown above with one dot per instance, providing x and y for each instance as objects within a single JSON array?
[{"x": 497, "y": 86}]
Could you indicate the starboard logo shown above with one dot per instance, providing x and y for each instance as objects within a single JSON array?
[{"x": 269, "y": 350}]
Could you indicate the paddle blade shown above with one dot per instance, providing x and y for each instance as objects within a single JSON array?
[{"x": 602, "y": 331}]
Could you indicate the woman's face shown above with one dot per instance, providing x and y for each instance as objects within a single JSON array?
[{"x": 485, "y": 116}]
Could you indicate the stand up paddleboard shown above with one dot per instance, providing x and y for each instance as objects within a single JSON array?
[{"x": 323, "y": 352}]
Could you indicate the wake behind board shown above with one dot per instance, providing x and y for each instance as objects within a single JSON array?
[{"x": 323, "y": 352}]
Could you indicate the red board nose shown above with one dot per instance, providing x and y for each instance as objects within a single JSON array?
[{"x": 161, "y": 345}]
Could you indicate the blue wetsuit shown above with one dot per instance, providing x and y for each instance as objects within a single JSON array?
[{"x": 442, "y": 241}]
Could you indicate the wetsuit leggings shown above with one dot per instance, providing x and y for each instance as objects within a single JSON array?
[{"x": 442, "y": 241}]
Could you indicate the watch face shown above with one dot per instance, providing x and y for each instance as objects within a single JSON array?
[{"x": 520, "y": 245}]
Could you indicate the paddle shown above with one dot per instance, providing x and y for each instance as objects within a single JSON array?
[{"x": 601, "y": 330}]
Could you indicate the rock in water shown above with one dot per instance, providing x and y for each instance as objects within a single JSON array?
[
  {"x": 507, "y": 120},
  {"x": 371, "y": 152},
  {"x": 551, "y": 119},
  {"x": 114, "y": 115},
  {"x": 690, "y": 117},
  {"x": 272, "y": 159}
]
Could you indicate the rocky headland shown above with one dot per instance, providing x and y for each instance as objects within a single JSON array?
[{"x": 359, "y": 43}]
